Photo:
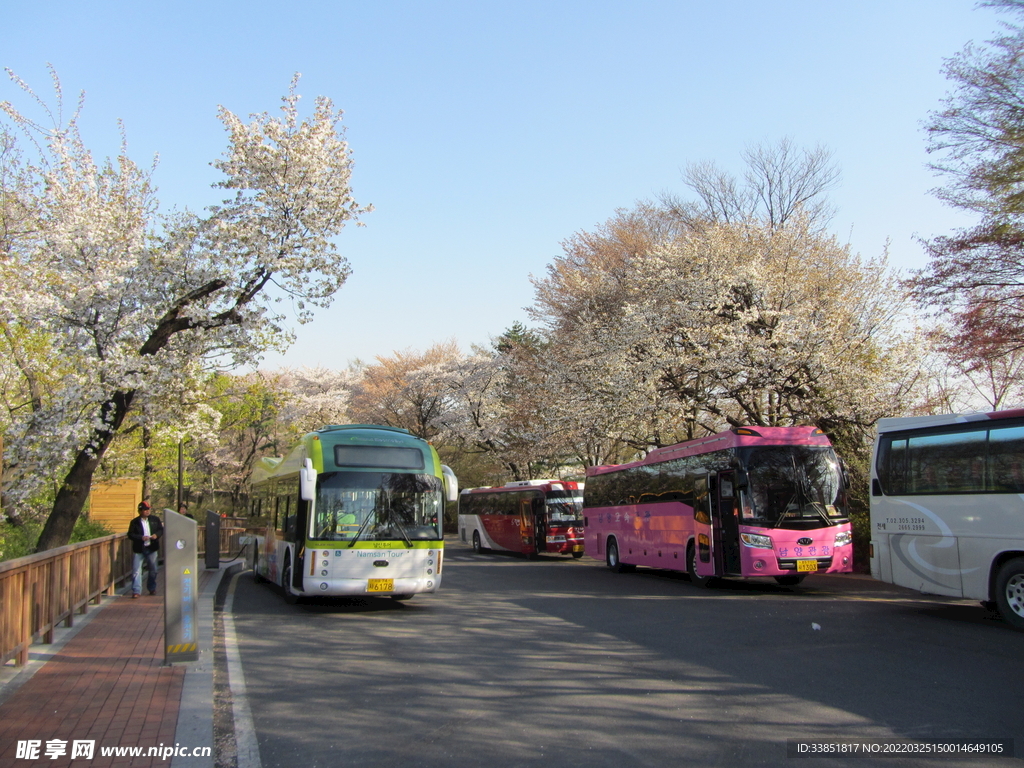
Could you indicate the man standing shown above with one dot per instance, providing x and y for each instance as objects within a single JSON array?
[{"x": 145, "y": 532}]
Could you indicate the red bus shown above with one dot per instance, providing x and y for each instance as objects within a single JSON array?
[
  {"x": 529, "y": 516},
  {"x": 764, "y": 501}
]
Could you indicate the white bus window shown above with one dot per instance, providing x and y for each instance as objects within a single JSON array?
[
  {"x": 892, "y": 466},
  {"x": 951, "y": 463},
  {"x": 1006, "y": 458}
]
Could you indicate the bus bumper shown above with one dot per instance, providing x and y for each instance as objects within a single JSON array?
[
  {"x": 764, "y": 562},
  {"x": 334, "y": 587}
]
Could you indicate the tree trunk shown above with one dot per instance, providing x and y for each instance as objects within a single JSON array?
[
  {"x": 147, "y": 461},
  {"x": 74, "y": 491}
]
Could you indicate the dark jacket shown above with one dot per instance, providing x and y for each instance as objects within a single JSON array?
[{"x": 156, "y": 528}]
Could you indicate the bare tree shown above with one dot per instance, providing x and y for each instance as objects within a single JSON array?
[
  {"x": 783, "y": 180},
  {"x": 779, "y": 181}
]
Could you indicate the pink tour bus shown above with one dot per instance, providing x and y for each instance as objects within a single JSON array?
[{"x": 764, "y": 501}]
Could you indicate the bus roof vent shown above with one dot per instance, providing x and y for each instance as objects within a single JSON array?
[
  {"x": 526, "y": 483},
  {"x": 336, "y": 427}
]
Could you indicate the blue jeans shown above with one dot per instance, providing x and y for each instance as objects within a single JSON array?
[{"x": 149, "y": 558}]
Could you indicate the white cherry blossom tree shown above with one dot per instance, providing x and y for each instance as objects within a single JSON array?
[
  {"x": 134, "y": 303},
  {"x": 670, "y": 337},
  {"x": 316, "y": 396}
]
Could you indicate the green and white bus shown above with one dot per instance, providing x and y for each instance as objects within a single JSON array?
[{"x": 356, "y": 509}]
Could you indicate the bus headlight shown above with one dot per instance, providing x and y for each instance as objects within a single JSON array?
[
  {"x": 756, "y": 541},
  {"x": 843, "y": 538}
]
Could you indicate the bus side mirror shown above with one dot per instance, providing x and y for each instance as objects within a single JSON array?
[
  {"x": 844, "y": 471},
  {"x": 451, "y": 484},
  {"x": 741, "y": 482},
  {"x": 307, "y": 481}
]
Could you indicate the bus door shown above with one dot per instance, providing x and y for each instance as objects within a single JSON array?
[
  {"x": 728, "y": 518},
  {"x": 526, "y": 526},
  {"x": 301, "y": 534},
  {"x": 540, "y": 523},
  {"x": 703, "y": 527}
]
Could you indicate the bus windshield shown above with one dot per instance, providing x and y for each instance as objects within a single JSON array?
[
  {"x": 565, "y": 507},
  {"x": 377, "y": 506},
  {"x": 792, "y": 484}
]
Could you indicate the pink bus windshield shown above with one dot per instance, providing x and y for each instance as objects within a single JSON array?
[{"x": 791, "y": 485}]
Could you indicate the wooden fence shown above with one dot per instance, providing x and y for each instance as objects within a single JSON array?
[
  {"x": 229, "y": 535},
  {"x": 39, "y": 592}
]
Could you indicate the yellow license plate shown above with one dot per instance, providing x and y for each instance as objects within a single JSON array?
[
  {"x": 803, "y": 566},
  {"x": 577, "y": 547},
  {"x": 380, "y": 585}
]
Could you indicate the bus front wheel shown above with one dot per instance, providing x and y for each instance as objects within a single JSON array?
[
  {"x": 477, "y": 546},
  {"x": 691, "y": 567},
  {"x": 1010, "y": 592},
  {"x": 611, "y": 558},
  {"x": 286, "y": 583}
]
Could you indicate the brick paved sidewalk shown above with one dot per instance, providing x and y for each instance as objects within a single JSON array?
[{"x": 107, "y": 684}]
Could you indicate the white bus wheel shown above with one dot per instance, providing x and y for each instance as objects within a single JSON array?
[{"x": 1010, "y": 592}]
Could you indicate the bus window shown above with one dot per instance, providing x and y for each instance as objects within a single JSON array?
[
  {"x": 951, "y": 463},
  {"x": 289, "y": 520},
  {"x": 1005, "y": 450}
]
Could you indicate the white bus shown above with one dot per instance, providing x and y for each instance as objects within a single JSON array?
[
  {"x": 947, "y": 507},
  {"x": 353, "y": 509}
]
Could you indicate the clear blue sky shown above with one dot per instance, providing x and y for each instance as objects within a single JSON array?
[{"x": 485, "y": 133}]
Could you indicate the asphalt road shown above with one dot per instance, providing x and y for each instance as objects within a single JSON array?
[{"x": 559, "y": 662}]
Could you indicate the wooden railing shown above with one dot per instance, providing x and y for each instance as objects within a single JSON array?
[
  {"x": 228, "y": 539},
  {"x": 40, "y": 591}
]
